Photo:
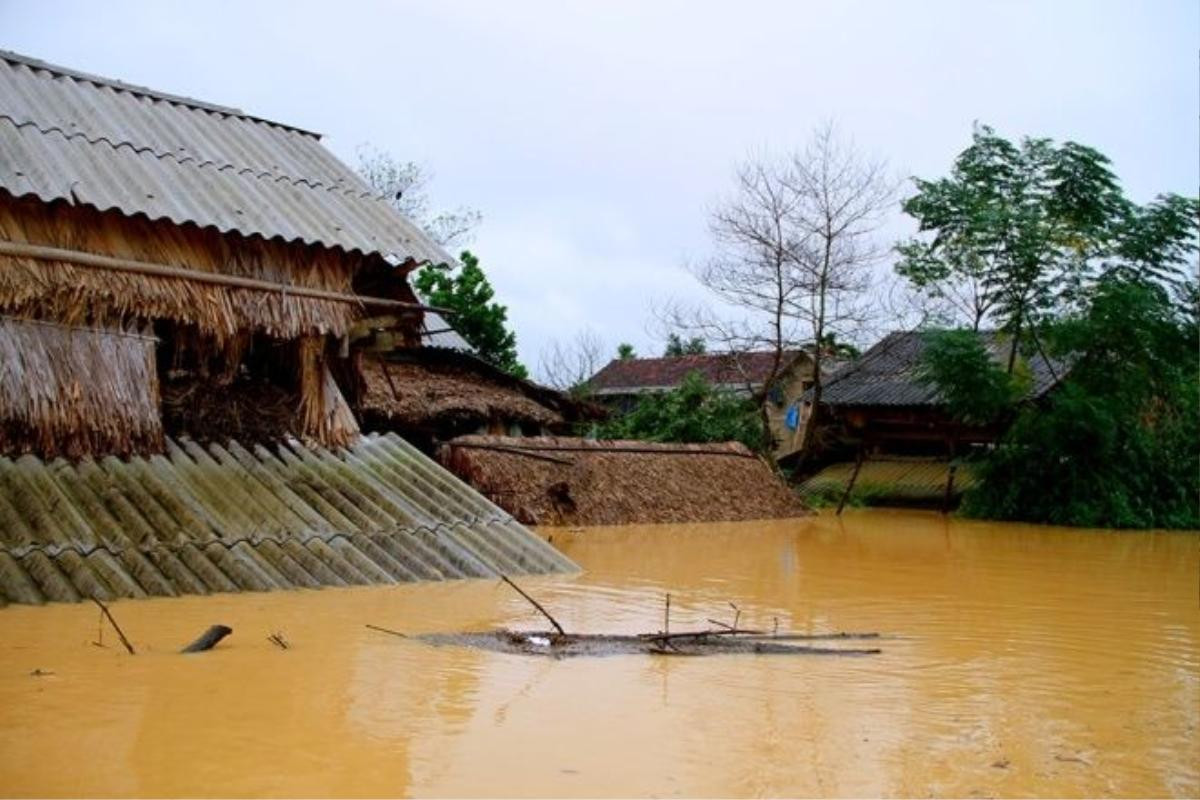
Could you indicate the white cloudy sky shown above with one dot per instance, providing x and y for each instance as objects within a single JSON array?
[{"x": 592, "y": 136}]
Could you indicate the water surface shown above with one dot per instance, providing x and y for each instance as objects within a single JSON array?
[{"x": 1017, "y": 661}]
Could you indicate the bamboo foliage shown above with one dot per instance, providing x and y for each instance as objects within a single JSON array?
[
  {"x": 324, "y": 413},
  {"x": 73, "y": 294},
  {"x": 70, "y": 391}
]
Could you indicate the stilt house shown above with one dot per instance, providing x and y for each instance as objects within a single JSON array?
[{"x": 176, "y": 273}]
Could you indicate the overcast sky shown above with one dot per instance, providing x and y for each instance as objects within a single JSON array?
[{"x": 592, "y": 137}]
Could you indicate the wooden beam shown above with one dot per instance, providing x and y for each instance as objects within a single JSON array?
[{"x": 41, "y": 253}]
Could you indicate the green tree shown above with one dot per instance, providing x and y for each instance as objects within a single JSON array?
[
  {"x": 625, "y": 351},
  {"x": 677, "y": 346},
  {"x": 1118, "y": 443},
  {"x": 976, "y": 391},
  {"x": 1026, "y": 226},
  {"x": 466, "y": 292},
  {"x": 694, "y": 411}
]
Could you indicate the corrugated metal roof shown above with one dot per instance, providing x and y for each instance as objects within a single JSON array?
[
  {"x": 201, "y": 520},
  {"x": 887, "y": 374},
  {"x": 889, "y": 479},
  {"x": 436, "y": 332},
  {"x": 89, "y": 140}
]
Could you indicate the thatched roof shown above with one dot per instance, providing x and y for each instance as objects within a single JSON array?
[
  {"x": 69, "y": 391},
  {"x": 425, "y": 387},
  {"x": 565, "y": 481},
  {"x": 224, "y": 519}
]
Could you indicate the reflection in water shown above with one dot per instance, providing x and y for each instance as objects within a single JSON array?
[{"x": 1018, "y": 660}]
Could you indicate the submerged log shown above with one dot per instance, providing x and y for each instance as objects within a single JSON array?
[{"x": 208, "y": 640}]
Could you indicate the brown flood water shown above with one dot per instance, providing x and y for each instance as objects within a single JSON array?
[{"x": 1018, "y": 661}]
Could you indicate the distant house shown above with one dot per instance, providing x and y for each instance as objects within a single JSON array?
[
  {"x": 879, "y": 408},
  {"x": 881, "y": 400},
  {"x": 622, "y": 382}
]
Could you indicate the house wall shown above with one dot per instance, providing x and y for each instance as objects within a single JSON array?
[{"x": 796, "y": 382}]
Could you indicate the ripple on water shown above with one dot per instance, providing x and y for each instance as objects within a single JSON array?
[{"x": 1016, "y": 661}]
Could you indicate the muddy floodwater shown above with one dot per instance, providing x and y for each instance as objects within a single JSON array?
[{"x": 1015, "y": 660}]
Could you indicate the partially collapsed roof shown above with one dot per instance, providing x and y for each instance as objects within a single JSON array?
[
  {"x": 648, "y": 375},
  {"x": 91, "y": 141},
  {"x": 225, "y": 519},
  {"x": 888, "y": 373}
]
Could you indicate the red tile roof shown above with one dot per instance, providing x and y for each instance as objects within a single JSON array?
[{"x": 637, "y": 375}]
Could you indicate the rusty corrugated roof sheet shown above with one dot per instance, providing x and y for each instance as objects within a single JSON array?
[
  {"x": 87, "y": 140},
  {"x": 887, "y": 374},
  {"x": 641, "y": 375},
  {"x": 228, "y": 518}
]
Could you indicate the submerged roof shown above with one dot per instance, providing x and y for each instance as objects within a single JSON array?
[
  {"x": 226, "y": 519},
  {"x": 641, "y": 375},
  {"x": 87, "y": 140},
  {"x": 888, "y": 373},
  {"x": 570, "y": 481}
]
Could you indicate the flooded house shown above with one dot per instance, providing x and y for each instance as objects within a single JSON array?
[
  {"x": 179, "y": 282},
  {"x": 622, "y": 382},
  {"x": 888, "y": 432}
]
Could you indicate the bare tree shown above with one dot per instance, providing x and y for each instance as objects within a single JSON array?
[
  {"x": 793, "y": 251},
  {"x": 567, "y": 366},
  {"x": 842, "y": 199},
  {"x": 405, "y": 186}
]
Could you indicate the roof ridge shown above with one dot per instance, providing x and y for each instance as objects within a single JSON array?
[
  {"x": 198, "y": 163},
  {"x": 144, "y": 91}
]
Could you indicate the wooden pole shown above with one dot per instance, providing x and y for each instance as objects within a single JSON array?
[
  {"x": 536, "y": 605},
  {"x": 21, "y": 250},
  {"x": 850, "y": 483},
  {"x": 949, "y": 488},
  {"x": 116, "y": 627}
]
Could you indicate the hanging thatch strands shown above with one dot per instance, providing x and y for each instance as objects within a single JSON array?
[
  {"x": 70, "y": 292},
  {"x": 324, "y": 413},
  {"x": 71, "y": 391}
]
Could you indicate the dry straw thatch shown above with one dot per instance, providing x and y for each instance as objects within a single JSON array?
[
  {"x": 428, "y": 393},
  {"x": 566, "y": 481},
  {"x": 73, "y": 293},
  {"x": 69, "y": 391},
  {"x": 324, "y": 413}
]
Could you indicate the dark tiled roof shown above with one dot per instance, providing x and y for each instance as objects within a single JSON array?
[
  {"x": 886, "y": 375},
  {"x": 638, "y": 375}
]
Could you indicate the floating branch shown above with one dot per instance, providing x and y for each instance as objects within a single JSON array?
[
  {"x": 104, "y": 610},
  {"x": 278, "y": 640},
  {"x": 696, "y": 643}
]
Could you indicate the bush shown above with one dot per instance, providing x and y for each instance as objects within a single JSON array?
[{"x": 694, "y": 411}]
